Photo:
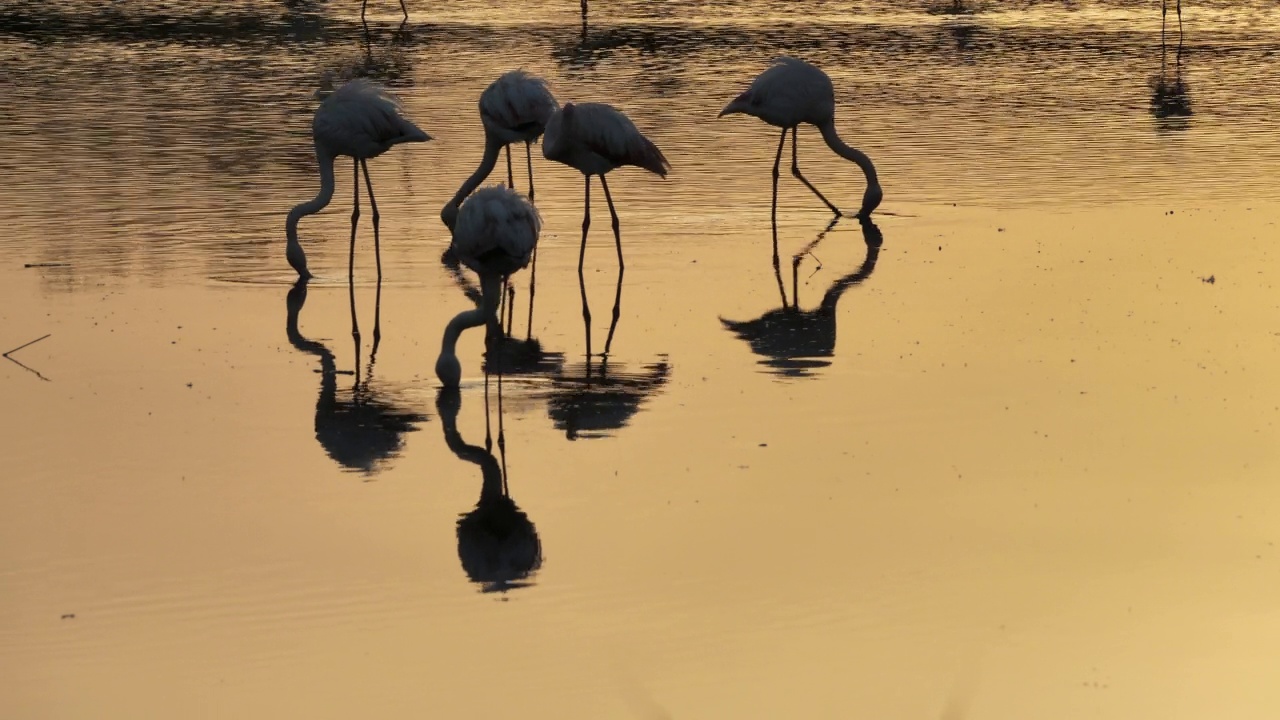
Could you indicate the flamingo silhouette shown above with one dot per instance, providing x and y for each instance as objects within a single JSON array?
[
  {"x": 790, "y": 92},
  {"x": 497, "y": 543},
  {"x": 592, "y": 399},
  {"x": 595, "y": 138},
  {"x": 361, "y": 429},
  {"x": 495, "y": 235},
  {"x": 514, "y": 108},
  {"x": 794, "y": 341},
  {"x": 360, "y": 120}
]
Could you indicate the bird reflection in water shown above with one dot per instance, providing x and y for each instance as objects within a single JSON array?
[
  {"x": 497, "y": 542},
  {"x": 594, "y": 398},
  {"x": 795, "y": 342},
  {"x": 361, "y": 428},
  {"x": 1170, "y": 96}
]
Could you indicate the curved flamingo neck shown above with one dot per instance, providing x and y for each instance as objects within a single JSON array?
[
  {"x": 293, "y": 251},
  {"x": 492, "y": 146},
  {"x": 851, "y": 154}
]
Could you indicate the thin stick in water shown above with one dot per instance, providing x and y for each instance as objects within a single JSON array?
[{"x": 33, "y": 342}]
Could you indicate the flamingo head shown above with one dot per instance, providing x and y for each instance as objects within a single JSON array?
[
  {"x": 449, "y": 370},
  {"x": 449, "y": 215},
  {"x": 871, "y": 200},
  {"x": 738, "y": 105}
]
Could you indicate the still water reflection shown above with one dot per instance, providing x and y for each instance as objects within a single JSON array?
[
  {"x": 795, "y": 342},
  {"x": 361, "y": 428},
  {"x": 1044, "y": 463},
  {"x": 498, "y": 544}
]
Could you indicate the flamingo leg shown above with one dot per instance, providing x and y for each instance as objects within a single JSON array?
[
  {"x": 622, "y": 268},
  {"x": 363, "y": 3},
  {"x": 533, "y": 279},
  {"x": 533, "y": 269},
  {"x": 528, "y": 157},
  {"x": 511, "y": 308},
  {"x": 511, "y": 178},
  {"x": 582, "y": 255},
  {"x": 377, "y": 249},
  {"x": 773, "y": 214},
  {"x": 795, "y": 170},
  {"x": 351, "y": 254},
  {"x": 404, "y": 10}
]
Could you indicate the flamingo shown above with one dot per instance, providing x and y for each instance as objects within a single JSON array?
[
  {"x": 514, "y": 108},
  {"x": 495, "y": 235},
  {"x": 792, "y": 91},
  {"x": 595, "y": 138},
  {"x": 403, "y": 9},
  {"x": 360, "y": 120}
]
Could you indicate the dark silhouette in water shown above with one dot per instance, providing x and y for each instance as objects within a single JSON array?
[
  {"x": 361, "y": 428},
  {"x": 592, "y": 399},
  {"x": 1170, "y": 96},
  {"x": 793, "y": 341},
  {"x": 498, "y": 545}
]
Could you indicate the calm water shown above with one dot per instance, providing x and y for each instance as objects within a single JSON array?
[{"x": 1033, "y": 474}]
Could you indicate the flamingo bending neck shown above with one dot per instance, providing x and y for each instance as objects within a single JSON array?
[
  {"x": 874, "y": 194},
  {"x": 448, "y": 369},
  {"x": 293, "y": 251},
  {"x": 492, "y": 146}
]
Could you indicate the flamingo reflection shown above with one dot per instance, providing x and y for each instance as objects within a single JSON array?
[
  {"x": 1170, "y": 96},
  {"x": 795, "y": 342},
  {"x": 361, "y": 428},
  {"x": 594, "y": 398},
  {"x": 498, "y": 544}
]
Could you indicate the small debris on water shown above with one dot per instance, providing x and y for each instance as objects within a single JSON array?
[
  {"x": 68, "y": 616},
  {"x": 763, "y": 445},
  {"x": 1211, "y": 280}
]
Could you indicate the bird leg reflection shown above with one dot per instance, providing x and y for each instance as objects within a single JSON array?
[
  {"x": 622, "y": 268},
  {"x": 377, "y": 323},
  {"x": 795, "y": 170}
]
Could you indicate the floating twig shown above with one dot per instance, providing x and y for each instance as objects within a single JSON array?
[
  {"x": 33, "y": 342},
  {"x": 46, "y": 264},
  {"x": 24, "y": 367}
]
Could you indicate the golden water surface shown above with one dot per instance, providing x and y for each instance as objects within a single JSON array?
[{"x": 1010, "y": 451}]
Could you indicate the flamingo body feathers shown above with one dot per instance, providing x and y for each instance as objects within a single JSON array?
[
  {"x": 496, "y": 231},
  {"x": 362, "y": 120},
  {"x": 596, "y": 138},
  {"x": 789, "y": 92},
  {"x": 516, "y": 107}
]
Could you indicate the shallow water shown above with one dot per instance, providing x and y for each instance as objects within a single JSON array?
[{"x": 1014, "y": 456}]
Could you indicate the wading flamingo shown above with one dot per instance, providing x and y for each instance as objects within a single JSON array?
[
  {"x": 496, "y": 232},
  {"x": 514, "y": 108},
  {"x": 595, "y": 138},
  {"x": 790, "y": 92},
  {"x": 360, "y": 120}
]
